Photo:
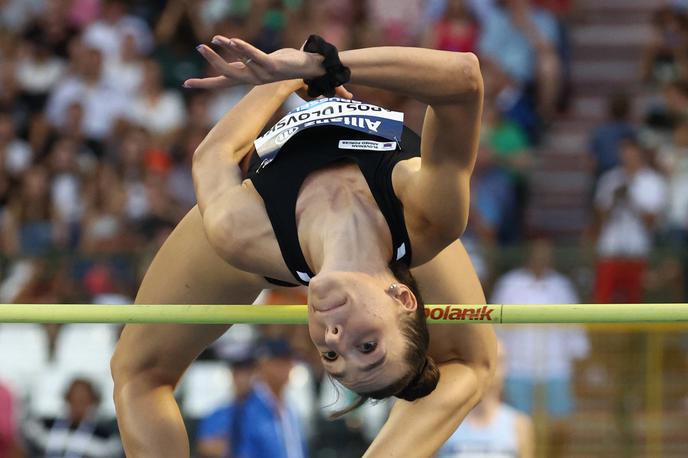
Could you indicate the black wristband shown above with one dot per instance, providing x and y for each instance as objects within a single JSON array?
[{"x": 335, "y": 75}]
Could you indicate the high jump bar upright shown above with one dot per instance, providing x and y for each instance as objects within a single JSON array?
[{"x": 297, "y": 314}]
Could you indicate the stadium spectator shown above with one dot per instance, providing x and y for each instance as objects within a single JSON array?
[
  {"x": 666, "y": 55},
  {"x": 65, "y": 187},
  {"x": 670, "y": 108},
  {"x": 400, "y": 23},
  {"x": 159, "y": 111},
  {"x": 331, "y": 19},
  {"x": 606, "y": 139},
  {"x": 101, "y": 103},
  {"x": 672, "y": 159},
  {"x": 203, "y": 19},
  {"x": 9, "y": 444},
  {"x": 32, "y": 224},
  {"x": 456, "y": 30},
  {"x": 217, "y": 434},
  {"x": 15, "y": 14},
  {"x": 541, "y": 357},
  {"x": 629, "y": 201},
  {"x": 511, "y": 152},
  {"x": 261, "y": 424},
  {"x": 492, "y": 200},
  {"x": 78, "y": 433},
  {"x": 38, "y": 72},
  {"x": 80, "y": 13},
  {"x": 199, "y": 116},
  {"x": 125, "y": 72},
  {"x": 492, "y": 428},
  {"x": 108, "y": 32},
  {"x": 523, "y": 40},
  {"x": 104, "y": 227},
  {"x": 55, "y": 27},
  {"x": 10, "y": 94},
  {"x": 179, "y": 181},
  {"x": 15, "y": 153},
  {"x": 130, "y": 159}
]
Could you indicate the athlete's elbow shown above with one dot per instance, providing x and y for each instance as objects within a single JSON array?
[
  {"x": 467, "y": 78},
  {"x": 220, "y": 230},
  {"x": 476, "y": 384},
  {"x": 464, "y": 393},
  {"x": 484, "y": 366}
]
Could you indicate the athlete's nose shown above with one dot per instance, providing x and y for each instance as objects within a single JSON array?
[{"x": 333, "y": 334}]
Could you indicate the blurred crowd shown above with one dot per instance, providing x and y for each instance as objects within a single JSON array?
[
  {"x": 96, "y": 141},
  {"x": 97, "y": 134}
]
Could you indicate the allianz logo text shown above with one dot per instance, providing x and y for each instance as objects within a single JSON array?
[{"x": 459, "y": 313}]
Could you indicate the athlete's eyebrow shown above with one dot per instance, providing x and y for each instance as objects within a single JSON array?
[{"x": 368, "y": 368}]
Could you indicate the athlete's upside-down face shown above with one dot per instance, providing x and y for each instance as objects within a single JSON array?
[{"x": 354, "y": 322}]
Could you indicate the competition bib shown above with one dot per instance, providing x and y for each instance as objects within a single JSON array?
[{"x": 351, "y": 114}]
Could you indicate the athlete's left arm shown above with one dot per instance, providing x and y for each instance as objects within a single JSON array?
[{"x": 439, "y": 192}]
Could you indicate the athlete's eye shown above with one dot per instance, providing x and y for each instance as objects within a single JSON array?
[
  {"x": 368, "y": 347},
  {"x": 329, "y": 355}
]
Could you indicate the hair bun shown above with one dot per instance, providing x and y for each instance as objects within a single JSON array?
[{"x": 423, "y": 383}]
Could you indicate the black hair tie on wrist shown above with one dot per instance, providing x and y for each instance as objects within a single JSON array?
[{"x": 335, "y": 75}]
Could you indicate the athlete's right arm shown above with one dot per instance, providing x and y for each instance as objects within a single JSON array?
[{"x": 216, "y": 173}]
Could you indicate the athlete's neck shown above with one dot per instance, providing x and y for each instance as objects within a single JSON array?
[{"x": 350, "y": 234}]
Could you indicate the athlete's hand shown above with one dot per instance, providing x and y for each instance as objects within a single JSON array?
[{"x": 250, "y": 65}]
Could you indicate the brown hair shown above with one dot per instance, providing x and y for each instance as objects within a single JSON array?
[{"x": 424, "y": 375}]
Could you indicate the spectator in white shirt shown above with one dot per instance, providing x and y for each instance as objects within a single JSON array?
[
  {"x": 492, "y": 429},
  {"x": 160, "y": 111},
  {"x": 102, "y": 104},
  {"x": 629, "y": 201},
  {"x": 107, "y": 33},
  {"x": 125, "y": 71},
  {"x": 79, "y": 432},
  {"x": 540, "y": 358},
  {"x": 37, "y": 72}
]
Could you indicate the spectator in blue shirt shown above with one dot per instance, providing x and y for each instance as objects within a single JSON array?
[
  {"x": 523, "y": 41},
  {"x": 214, "y": 431},
  {"x": 258, "y": 424},
  {"x": 607, "y": 138}
]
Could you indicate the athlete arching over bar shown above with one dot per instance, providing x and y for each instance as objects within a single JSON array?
[{"x": 337, "y": 198}]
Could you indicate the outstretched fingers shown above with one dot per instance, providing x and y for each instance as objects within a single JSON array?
[
  {"x": 257, "y": 62},
  {"x": 234, "y": 71},
  {"x": 252, "y": 66},
  {"x": 247, "y": 52},
  {"x": 213, "y": 82}
]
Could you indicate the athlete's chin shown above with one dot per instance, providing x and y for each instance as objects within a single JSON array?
[{"x": 327, "y": 288}]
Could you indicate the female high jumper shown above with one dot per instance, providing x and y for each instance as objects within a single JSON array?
[{"x": 339, "y": 196}]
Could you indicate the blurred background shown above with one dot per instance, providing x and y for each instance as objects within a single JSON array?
[{"x": 580, "y": 193}]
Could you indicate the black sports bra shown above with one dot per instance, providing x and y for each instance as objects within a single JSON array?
[{"x": 279, "y": 179}]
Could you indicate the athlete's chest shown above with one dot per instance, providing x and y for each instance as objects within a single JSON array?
[{"x": 331, "y": 200}]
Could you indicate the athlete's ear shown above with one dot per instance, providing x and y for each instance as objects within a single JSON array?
[{"x": 405, "y": 296}]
